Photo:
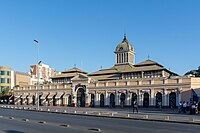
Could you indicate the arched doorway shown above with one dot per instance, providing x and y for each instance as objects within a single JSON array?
[
  {"x": 81, "y": 97},
  {"x": 33, "y": 100},
  {"x": 134, "y": 98},
  {"x": 101, "y": 100},
  {"x": 62, "y": 100},
  {"x": 112, "y": 100},
  {"x": 54, "y": 100},
  {"x": 159, "y": 100},
  {"x": 21, "y": 101},
  {"x": 146, "y": 100},
  {"x": 40, "y": 100},
  {"x": 172, "y": 100},
  {"x": 92, "y": 100},
  {"x": 27, "y": 101},
  {"x": 122, "y": 99},
  {"x": 69, "y": 100}
]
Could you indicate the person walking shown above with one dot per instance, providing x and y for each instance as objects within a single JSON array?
[{"x": 135, "y": 107}]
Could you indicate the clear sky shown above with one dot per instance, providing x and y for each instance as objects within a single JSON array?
[{"x": 86, "y": 32}]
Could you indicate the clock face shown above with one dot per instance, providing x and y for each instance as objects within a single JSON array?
[{"x": 121, "y": 48}]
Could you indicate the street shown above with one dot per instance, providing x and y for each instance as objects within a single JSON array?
[{"x": 20, "y": 121}]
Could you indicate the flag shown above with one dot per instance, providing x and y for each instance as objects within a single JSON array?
[{"x": 36, "y": 41}]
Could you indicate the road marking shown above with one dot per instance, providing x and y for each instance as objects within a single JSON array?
[
  {"x": 42, "y": 122},
  {"x": 25, "y": 119},
  {"x": 95, "y": 129},
  {"x": 64, "y": 125}
]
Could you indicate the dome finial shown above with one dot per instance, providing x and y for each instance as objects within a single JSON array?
[{"x": 124, "y": 36}]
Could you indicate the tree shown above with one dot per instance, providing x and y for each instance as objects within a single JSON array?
[
  {"x": 195, "y": 73},
  {"x": 5, "y": 91}
]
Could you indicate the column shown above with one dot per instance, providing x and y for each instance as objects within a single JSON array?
[
  {"x": 140, "y": 97},
  {"x": 179, "y": 96},
  {"x": 127, "y": 100},
  {"x": 152, "y": 97},
  {"x": 164, "y": 98},
  {"x": 116, "y": 98},
  {"x": 97, "y": 99},
  {"x": 106, "y": 98}
]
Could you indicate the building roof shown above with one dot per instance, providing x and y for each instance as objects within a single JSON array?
[
  {"x": 70, "y": 73},
  {"x": 23, "y": 73},
  {"x": 74, "y": 70},
  {"x": 147, "y": 63},
  {"x": 115, "y": 71}
]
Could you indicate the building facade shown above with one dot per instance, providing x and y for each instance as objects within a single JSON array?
[
  {"x": 41, "y": 72},
  {"x": 22, "y": 79},
  {"x": 6, "y": 78},
  {"x": 148, "y": 83}
]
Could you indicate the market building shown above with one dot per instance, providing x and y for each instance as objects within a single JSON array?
[{"x": 148, "y": 83}]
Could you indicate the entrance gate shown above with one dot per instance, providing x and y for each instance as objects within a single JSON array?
[{"x": 81, "y": 97}]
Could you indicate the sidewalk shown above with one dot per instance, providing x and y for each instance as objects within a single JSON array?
[{"x": 149, "y": 114}]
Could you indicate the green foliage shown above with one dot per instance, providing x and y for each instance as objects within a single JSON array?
[
  {"x": 5, "y": 92},
  {"x": 196, "y": 73}
]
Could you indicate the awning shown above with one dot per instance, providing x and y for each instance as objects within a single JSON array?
[
  {"x": 66, "y": 96},
  {"x": 51, "y": 95},
  {"x": 24, "y": 95},
  {"x": 59, "y": 95},
  {"x": 44, "y": 96},
  {"x": 17, "y": 96},
  {"x": 11, "y": 97},
  {"x": 197, "y": 91}
]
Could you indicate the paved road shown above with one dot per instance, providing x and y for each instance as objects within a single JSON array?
[{"x": 12, "y": 122}]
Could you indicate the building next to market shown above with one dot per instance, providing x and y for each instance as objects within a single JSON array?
[
  {"x": 148, "y": 83},
  {"x": 42, "y": 71},
  {"x": 6, "y": 76}
]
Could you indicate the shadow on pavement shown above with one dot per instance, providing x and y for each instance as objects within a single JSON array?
[{"x": 12, "y": 131}]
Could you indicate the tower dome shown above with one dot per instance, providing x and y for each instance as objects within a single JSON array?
[
  {"x": 124, "y": 46},
  {"x": 124, "y": 52}
]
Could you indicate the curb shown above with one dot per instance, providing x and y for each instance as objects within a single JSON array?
[{"x": 113, "y": 117}]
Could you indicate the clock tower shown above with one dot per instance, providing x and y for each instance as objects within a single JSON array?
[{"x": 125, "y": 53}]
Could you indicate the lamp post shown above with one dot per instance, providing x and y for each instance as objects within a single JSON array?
[{"x": 37, "y": 66}]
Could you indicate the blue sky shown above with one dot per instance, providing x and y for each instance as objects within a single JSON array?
[{"x": 86, "y": 32}]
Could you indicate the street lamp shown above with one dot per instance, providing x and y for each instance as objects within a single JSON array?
[{"x": 38, "y": 63}]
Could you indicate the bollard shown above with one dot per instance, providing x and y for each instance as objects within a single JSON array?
[
  {"x": 56, "y": 110},
  {"x": 112, "y": 114},
  {"x": 86, "y": 112},
  {"x": 11, "y": 117},
  {"x": 128, "y": 115},
  {"x": 167, "y": 118},
  {"x": 48, "y": 110},
  {"x": 25, "y": 119},
  {"x": 145, "y": 117},
  {"x": 41, "y": 109},
  {"x": 65, "y": 111},
  {"x": 99, "y": 113},
  {"x": 75, "y": 112},
  {"x": 191, "y": 119}
]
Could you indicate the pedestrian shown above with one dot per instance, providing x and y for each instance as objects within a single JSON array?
[
  {"x": 184, "y": 107},
  {"x": 135, "y": 106},
  {"x": 180, "y": 105},
  {"x": 198, "y": 107}
]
